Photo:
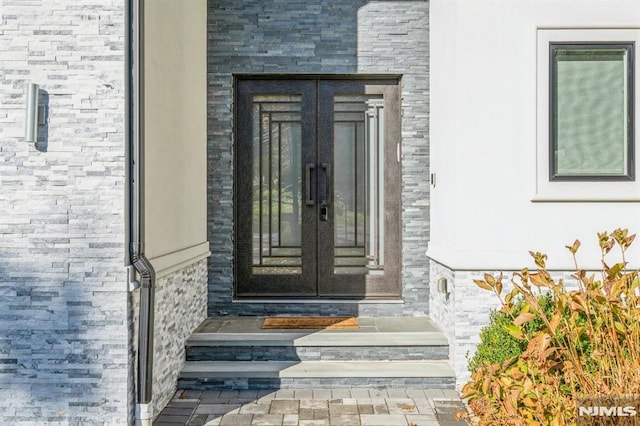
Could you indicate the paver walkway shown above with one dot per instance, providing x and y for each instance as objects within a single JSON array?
[{"x": 311, "y": 407}]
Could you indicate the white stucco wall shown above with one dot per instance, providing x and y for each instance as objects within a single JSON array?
[
  {"x": 484, "y": 212},
  {"x": 175, "y": 128}
]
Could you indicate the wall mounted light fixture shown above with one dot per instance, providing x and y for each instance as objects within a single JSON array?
[
  {"x": 31, "y": 122},
  {"x": 443, "y": 287}
]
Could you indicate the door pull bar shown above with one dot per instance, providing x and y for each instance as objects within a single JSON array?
[{"x": 309, "y": 167}]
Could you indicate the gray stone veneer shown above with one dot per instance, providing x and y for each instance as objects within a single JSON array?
[
  {"x": 320, "y": 37},
  {"x": 243, "y": 384},
  {"x": 181, "y": 306},
  {"x": 314, "y": 353},
  {"x": 65, "y": 313},
  {"x": 465, "y": 310}
]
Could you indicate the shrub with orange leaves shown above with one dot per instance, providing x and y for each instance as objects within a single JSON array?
[{"x": 588, "y": 346}]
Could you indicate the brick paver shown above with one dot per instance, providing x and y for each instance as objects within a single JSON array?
[{"x": 311, "y": 407}]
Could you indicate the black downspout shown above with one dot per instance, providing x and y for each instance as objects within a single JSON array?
[
  {"x": 145, "y": 333},
  {"x": 142, "y": 265}
]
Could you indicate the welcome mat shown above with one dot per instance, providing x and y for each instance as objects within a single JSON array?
[{"x": 330, "y": 323}]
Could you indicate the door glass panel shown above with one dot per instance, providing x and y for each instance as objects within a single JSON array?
[
  {"x": 358, "y": 127},
  {"x": 277, "y": 178}
]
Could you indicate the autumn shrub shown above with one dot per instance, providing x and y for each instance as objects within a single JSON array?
[{"x": 587, "y": 344}]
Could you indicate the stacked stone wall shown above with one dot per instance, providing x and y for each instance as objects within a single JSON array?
[
  {"x": 180, "y": 309},
  {"x": 464, "y": 309},
  {"x": 65, "y": 313}
]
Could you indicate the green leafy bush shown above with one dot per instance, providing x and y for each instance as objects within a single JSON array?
[{"x": 496, "y": 344}]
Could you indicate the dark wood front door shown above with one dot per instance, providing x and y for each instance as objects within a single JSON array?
[{"x": 317, "y": 188}]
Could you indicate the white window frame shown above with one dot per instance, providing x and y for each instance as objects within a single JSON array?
[{"x": 547, "y": 190}]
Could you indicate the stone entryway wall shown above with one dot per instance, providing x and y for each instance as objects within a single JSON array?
[
  {"x": 65, "y": 324},
  {"x": 319, "y": 37},
  {"x": 464, "y": 310}
]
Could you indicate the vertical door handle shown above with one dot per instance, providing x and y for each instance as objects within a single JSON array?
[
  {"x": 327, "y": 184},
  {"x": 308, "y": 169}
]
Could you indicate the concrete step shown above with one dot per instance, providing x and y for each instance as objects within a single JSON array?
[
  {"x": 298, "y": 346},
  {"x": 237, "y": 353},
  {"x": 290, "y": 374}
]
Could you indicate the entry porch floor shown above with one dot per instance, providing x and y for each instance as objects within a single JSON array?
[
  {"x": 389, "y": 371},
  {"x": 384, "y": 351},
  {"x": 253, "y": 324}
]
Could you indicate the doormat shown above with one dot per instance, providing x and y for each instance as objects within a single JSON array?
[{"x": 329, "y": 323}]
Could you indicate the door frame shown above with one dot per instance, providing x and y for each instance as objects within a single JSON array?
[{"x": 306, "y": 290}]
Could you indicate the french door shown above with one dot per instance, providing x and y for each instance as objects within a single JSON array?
[{"x": 317, "y": 188}]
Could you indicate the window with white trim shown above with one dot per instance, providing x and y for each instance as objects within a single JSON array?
[{"x": 586, "y": 115}]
